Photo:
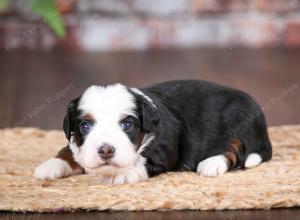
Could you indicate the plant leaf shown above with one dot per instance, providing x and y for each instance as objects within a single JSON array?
[
  {"x": 3, "y": 5},
  {"x": 48, "y": 10}
]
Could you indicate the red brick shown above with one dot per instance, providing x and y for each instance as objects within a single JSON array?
[
  {"x": 253, "y": 33},
  {"x": 292, "y": 35},
  {"x": 65, "y": 6},
  {"x": 105, "y": 6},
  {"x": 282, "y": 7},
  {"x": 208, "y": 6},
  {"x": 125, "y": 7}
]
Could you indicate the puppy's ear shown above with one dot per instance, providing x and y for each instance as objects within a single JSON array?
[
  {"x": 147, "y": 112},
  {"x": 68, "y": 124}
]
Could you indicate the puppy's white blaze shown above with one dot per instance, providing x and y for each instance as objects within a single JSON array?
[
  {"x": 107, "y": 101},
  {"x": 53, "y": 168},
  {"x": 213, "y": 166},
  {"x": 89, "y": 156},
  {"x": 139, "y": 92},
  {"x": 253, "y": 160}
]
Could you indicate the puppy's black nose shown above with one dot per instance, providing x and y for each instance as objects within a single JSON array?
[{"x": 106, "y": 151}]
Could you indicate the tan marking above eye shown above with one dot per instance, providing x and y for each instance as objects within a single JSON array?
[{"x": 88, "y": 117}]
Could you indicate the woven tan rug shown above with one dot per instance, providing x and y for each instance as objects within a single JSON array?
[{"x": 271, "y": 185}]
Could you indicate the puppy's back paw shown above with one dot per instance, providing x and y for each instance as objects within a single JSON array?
[
  {"x": 253, "y": 160},
  {"x": 53, "y": 168},
  {"x": 213, "y": 166}
]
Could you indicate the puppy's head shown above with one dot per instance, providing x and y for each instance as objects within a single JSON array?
[{"x": 108, "y": 127}]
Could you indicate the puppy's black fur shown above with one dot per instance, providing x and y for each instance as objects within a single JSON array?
[
  {"x": 194, "y": 120},
  {"x": 190, "y": 121}
]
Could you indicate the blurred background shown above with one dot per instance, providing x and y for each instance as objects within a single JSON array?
[{"x": 51, "y": 50}]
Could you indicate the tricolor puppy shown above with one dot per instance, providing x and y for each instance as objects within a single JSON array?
[{"x": 126, "y": 135}]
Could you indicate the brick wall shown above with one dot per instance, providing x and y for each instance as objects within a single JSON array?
[{"x": 102, "y": 25}]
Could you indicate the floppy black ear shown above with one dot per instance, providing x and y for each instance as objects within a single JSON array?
[
  {"x": 148, "y": 114},
  {"x": 68, "y": 124}
]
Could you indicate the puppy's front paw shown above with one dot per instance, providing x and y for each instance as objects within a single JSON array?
[
  {"x": 53, "y": 168},
  {"x": 213, "y": 166},
  {"x": 130, "y": 176}
]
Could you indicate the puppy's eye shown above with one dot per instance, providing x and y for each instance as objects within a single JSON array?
[
  {"x": 85, "y": 127},
  {"x": 126, "y": 125}
]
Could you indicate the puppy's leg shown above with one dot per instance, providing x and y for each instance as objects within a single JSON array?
[
  {"x": 253, "y": 160},
  {"x": 62, "y": 165},
  {"x": 213, "y": 166},
  {"x": 232, "y": 158},
  {"x": 262, "y": 154}
]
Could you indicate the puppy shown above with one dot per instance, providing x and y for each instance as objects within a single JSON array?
[{"x": 126, "y": 135}]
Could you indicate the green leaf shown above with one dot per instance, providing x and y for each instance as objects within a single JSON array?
[
  {"x": 48, "y": 10},
  {"x": 3, "y": 4}
]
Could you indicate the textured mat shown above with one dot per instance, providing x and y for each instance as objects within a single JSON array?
[{"x": 271, "y": 185}]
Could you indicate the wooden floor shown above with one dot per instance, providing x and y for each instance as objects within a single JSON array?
[
  {"x": 36, "y": 87},
  {"x": 279, "y": 214}
]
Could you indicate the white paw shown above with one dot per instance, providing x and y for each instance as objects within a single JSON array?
[
  {"x": 213, "y": 166},
  {"x": 53, "y": 168},
  {"x": 132, "y": 175},
  {"x": 253, "y": 160}
]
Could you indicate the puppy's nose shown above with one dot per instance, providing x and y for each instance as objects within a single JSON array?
[{"x": 106, "y": 151}]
